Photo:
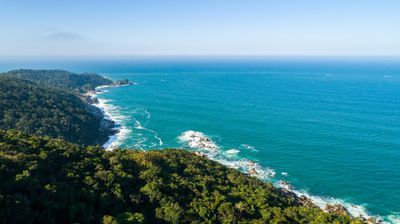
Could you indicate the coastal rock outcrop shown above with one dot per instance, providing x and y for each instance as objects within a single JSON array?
[
  {"x": 306, "y": 202},
  {"x": 122, "y": 82},
  {"x": 337, "y": 208}
]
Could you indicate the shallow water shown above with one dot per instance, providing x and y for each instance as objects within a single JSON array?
[{"x": 330, "y": 126}]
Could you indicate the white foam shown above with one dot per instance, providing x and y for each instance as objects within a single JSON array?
[
  {"x": 198, "y": 140},
  {"x": 246, "y": 166},
  {"x": 114, "y": 86},
  {"x": 116, "y": 140},
  {"x": 248, "y": 147},
  {"x": 159, "y": 139},
  {"x": 147, "y": 113},
  {"x": 103, "y": 87},
  {"x": 394, "y": 218},
  {"x": 112, "y": 112},
  {"x": 232, "y": 152},
  {"x": 322, "y": 202},
  {"x": 139, "y": 126},
  {"x": 284, "y": 174}
]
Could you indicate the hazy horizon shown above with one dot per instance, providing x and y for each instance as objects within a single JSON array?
[{"x": 206, "y": 28}]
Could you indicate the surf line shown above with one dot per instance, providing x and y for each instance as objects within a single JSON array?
[{"x": 112, "y": 113}]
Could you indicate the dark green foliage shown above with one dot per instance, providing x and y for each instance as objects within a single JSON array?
[
  {"x": 52, "y": 181},
  {"x": 61, "y": 79},
  {"x": 33, "y": 109}
]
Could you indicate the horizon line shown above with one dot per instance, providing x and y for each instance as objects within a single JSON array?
[{"x": 196, "y": 55}]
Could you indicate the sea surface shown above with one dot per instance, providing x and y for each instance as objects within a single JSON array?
[{"x": 329, "y": 126}]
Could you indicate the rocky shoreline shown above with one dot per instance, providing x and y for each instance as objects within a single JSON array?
[
  {"x": 107, "y": 126},
  {"x": 337, "y": 208}
]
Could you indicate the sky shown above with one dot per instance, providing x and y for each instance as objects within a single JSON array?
[{"x": 199, "y": 27}]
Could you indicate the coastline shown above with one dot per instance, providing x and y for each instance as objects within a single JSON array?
[
  {"x": 203, "y": 145},
  {"x": 115, "y": 130},
  {"x": 249, "y": 167}
]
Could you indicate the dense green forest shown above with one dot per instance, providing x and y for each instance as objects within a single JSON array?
[
  {"x": 47, "y": 180},
  {"x": 33, "y": 109},
  {"x": 61, "y": 79}
]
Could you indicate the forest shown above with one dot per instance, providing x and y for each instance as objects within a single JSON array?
[
  {"x": 43, "y": 110},
  {"x": 46, "y": 180},
  {"x": 61, "y": 79}
]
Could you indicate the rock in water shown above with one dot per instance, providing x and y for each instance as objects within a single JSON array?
[{"x": 122, "y": 82}]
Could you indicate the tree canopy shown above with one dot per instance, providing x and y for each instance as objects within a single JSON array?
[
  {"x": 47, "y": 180},
  {"x": 61, "y": 79},
  {"x": 34, "y": 109}
]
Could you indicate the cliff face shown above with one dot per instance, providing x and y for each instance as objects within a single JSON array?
[{"x": 53, "y": 181}]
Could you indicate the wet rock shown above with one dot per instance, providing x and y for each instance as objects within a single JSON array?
[
  {"x": 285, "y": 185},
  {"x": 372, "y": 220},
  {"x": 337, "y": 208}
]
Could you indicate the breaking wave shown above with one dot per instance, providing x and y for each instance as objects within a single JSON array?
[
  {"x": 112, "y": 113},
  {"x": 144, "y": 137},
  {"x": 204, "y": 145},
  {"x": 198, "y": 140}
]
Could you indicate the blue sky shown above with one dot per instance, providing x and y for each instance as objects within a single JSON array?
[{"x": 201, "y": 27}]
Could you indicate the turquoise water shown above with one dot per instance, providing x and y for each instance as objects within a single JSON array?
[{"x": 330, "y": 126}]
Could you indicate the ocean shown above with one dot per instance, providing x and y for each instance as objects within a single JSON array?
[{"x": 329, "y": 126}]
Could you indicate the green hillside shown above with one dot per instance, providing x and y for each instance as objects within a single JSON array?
[
  {"x": 34, "y": 109},
  {"x": 51, "y": 181},
  {"x": 61, "y": 79}
]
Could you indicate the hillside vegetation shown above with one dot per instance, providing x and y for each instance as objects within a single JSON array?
[
  {"x": 52, "y": 181},
  {"x": 39, "y": 110},
  {"x": 61, "y": 79}
]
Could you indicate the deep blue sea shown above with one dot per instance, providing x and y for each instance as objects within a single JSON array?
[{"x": 328, "y": 126}]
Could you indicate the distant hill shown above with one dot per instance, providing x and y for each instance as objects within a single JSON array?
[
  {"x": 41, "y": 110},
  {"x": 61, "y": 79},
  {"x": 52, "y": 181}
]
